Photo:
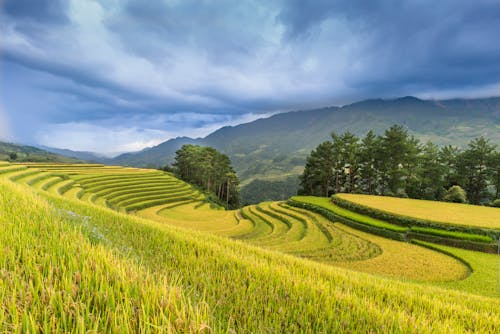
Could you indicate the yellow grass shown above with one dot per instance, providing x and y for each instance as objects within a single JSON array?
[
  {"x": 443, "y": 212},
  {"x": 404, "y": 260}
]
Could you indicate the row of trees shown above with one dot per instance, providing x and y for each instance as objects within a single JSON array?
[
  {"x": 210, "y": 170},
  {"x": 397, "y": 164}
]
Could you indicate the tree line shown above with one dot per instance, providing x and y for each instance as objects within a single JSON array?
[
  {"x": 398, "y": 164},
  {"x": 210, "y": 170}
]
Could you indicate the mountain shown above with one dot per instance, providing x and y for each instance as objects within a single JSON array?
[
  {"x": 274, "y": 149},
  {"x": 21, "y": 153},
  {"x": 277, "y": 146},
  {"x": 80, "y": 155},
  {"x": 155, "y": 156}
]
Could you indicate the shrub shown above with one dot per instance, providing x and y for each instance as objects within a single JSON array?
[
  {"x": 496, "y": 203},
  {"x": 456, "y": 195}
]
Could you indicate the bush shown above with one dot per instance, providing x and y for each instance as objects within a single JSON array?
[
  {"x": 456, "y": 195},
  {"x": 496, "y": 203}
]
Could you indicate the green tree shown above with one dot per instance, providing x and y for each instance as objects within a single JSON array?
[
  {"x": 210, "y": 170},
  {"x": 448, "y": 158},
  {"x": 429, "y": 182},
  {"x": 368, "y": 162},
  {"x": 474, "y": 164},
  {"x": 349, "y": 161},
  {"x": 495, "y": 173},
  {"x": 319, "y": 171},
  {"x": 397, "y": 157}
]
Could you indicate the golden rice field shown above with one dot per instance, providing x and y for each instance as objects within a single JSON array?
[
  {"x": 92, "y": 248},
  {"x": 442, "y": 212}
]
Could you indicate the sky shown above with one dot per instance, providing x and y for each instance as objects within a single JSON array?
[{"x": 111, "y": 76}]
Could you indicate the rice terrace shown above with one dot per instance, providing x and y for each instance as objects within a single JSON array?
[
  {"x": 253, "y": 167},
  {"x": 131, "y": 243}
]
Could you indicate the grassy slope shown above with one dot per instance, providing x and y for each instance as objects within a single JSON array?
[
  {"x": 483, "y": 279},
  {"x": 306, "y": 234},
  {"x": 443, "y": 212},
  {"x": 219, "y": 283}
]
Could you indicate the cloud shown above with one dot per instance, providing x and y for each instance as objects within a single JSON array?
[
  {"x": 4, "y": 126},
  {"x": 44, "y": 11},
  {"x": 111, "y": 139},
  {"x": 98, "y": 62}
]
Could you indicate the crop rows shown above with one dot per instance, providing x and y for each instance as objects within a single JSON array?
[
  {"x": 70, "y": 266},
  {"x": 273, "y": 225},
  {"x": 120, "y": 188}
]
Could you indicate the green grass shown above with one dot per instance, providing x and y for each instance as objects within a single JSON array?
[
  {"x": 485, "y": 276},
  {"x": 327, "y": 204},
  {"x": 452, "y": 234}
]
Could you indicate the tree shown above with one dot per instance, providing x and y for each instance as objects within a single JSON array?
[
  {"x": 494, "y": 164},
  {"x": 319, "y": 171},
  {"x": 397, "y": 155},
  {"x": 210, "y": 170},
  {"x": 475, "y": 166},
  {"x": 13, "y": 156},
  {"x": 448, "y": 158},
  {"x": 397, "y": 164},
  {"x": 456, "y": 195},
  {"x": 368, "y": 162},
  {"x": 349, "y": 160},
  {"x": 429, "y": 182}
]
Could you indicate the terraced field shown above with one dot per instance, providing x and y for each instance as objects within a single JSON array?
[
  {"x": 442, "y": 212},
  {"x": 73, "y": 261},
  {"x": 123, "y": 189},
  {"x": 72, "y": 266},
  {"x": 276, "y": 226}
]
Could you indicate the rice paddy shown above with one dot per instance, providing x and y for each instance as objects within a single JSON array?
[
  {"x": 269, "y": 267},
  {"x": 442, "y": 212}
]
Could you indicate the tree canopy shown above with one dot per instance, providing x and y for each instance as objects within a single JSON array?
[
  {"x": 210, "y": 170},
  {"x": 397, "y": 164}
]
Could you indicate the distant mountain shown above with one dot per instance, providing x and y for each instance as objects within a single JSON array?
[
  {"x": 81, "y": 155},
  {"x": 22, "y": 153},
  {"x": 156, "y": 156},
  {"x": 275, "y": 147}
]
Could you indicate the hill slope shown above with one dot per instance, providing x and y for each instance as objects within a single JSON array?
[
  {"x": 285, "y": 139},
  {"x": 30, "y": 153},
  {"x": 276, "y": 147}
]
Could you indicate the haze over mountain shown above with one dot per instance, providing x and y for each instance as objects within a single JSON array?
[
  {"x": 277, "y": 146},
  {"x": 21, "y": 153}
]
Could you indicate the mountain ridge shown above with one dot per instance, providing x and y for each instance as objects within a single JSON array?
[{"x": 276, "y": 146}]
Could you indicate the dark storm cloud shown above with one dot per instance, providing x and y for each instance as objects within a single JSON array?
[
  {"x": 160, "y": 64},
  {"x": 44, "y": 11},
  {"x": 427, "y": 44}
]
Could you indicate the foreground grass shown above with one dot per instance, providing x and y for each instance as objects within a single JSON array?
[
  {"x": 115, "y": 273},
  {"x": 53, "y": 279},
  {"x": 442, "y": 212}
]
